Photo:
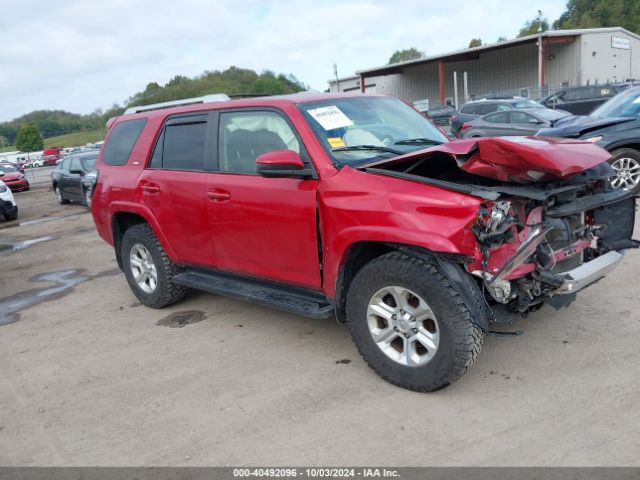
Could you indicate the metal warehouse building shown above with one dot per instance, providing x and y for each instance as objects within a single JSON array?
[{"x": 531, "y": 66}]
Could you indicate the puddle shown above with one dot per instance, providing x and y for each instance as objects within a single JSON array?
[
  {"x": 15, "y": 246},
  {"x": 64, "y": 281},
  {"x": 180, "y": 319}
]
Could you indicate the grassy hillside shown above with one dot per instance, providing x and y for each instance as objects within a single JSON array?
[{"x": 76, "y": 139}]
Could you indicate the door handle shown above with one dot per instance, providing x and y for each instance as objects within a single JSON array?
[
  {"x": 218, "y": 195},
  {"x": 150, "y": 189}
]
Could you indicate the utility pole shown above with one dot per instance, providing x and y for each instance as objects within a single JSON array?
[{"x": 335, "y": 72}]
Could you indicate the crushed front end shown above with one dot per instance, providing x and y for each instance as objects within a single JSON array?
[
  {"x": 550, "y": 224},
  {"x": 551, "y": 241}
]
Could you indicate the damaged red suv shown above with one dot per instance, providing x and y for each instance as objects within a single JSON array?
[{"x": 358, "y": 207}]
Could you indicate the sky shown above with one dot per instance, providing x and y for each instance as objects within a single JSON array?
[{"x": 83, "y": 55}]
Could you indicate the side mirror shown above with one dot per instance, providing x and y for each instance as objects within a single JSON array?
[
  {"x": 75, "y": 172},
  {"x": 282, "y": 164},
  {"x": 1, "y": 173}
]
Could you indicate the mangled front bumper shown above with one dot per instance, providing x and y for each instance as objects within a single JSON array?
[{"x": 588, "y": 273}]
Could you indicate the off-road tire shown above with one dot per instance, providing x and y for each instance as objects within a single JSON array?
[
  {"x": 461, "y": 337},
  {"x": 60, "y": 196},
  {"x": 166, "y": 292}
]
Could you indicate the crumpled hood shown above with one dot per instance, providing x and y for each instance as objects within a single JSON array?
[
  {"x": 514, "y": 159},
  {"x": 576, "y": 126}
]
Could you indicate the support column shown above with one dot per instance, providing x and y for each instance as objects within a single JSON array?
[
  {"x": 361, "y": 83},
  {"x": 540, "y": 64},
  {"x": 441, "y": 80}
]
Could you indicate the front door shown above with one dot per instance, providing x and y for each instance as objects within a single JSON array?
[{"x": 262, "y": 227}]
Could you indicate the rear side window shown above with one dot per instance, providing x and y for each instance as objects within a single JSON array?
[
  {"x": 500, "y": 117},
  {"x": 181, "y": 144},
  {"x": 121, "y": 141}
]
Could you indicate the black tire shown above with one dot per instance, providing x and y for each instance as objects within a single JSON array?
[
  {"x": 166, "y": 292},
  {"x": 9, "y": 217},
  {"x": 460, "y": 337},
  {"x": 59, "y": 195},
  {"x": 633, "y": 157}
]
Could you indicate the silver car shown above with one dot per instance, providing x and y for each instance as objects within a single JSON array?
[{"x": 524, "y": 121}]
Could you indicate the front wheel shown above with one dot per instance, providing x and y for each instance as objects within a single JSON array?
[
  {"x": 626, "y": 163},
  {"x": 148, "y": 269},
  {"x": 411, "y": 324}
]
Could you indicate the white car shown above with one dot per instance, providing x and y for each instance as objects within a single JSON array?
[{"x": 8, "y": 205}]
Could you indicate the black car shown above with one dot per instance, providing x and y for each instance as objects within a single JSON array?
[
  {"x": 581, "y": 100},
  {"x": 74, "y": 178},
  {"x": 478, "y": 108},
  {"x": 615, "y": 126}
]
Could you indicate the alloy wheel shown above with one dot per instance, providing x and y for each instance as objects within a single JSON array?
[
  {"x": 143, "y": 268},
  {"x": 627, "y": 173},
  {"x": 403, "y": 326}
]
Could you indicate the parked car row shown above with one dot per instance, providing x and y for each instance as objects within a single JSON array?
[{"x": 614, "y": 125}]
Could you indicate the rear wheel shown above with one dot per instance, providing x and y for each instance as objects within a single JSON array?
[
  {"x": 59, "y": 196},
  {"x": 410, "y": 324},
  {"x": 626, "y": 163},
  {"x": 13, "y": 216},
  {"x": 148, "y": 269}
]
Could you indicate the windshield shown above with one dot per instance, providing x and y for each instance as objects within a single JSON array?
[
  {"x": 625, "y": 104},
  {"x": 355, "y": 130},
  {"x": 527, "y": 104},
  {"x": 7, "y": 169}
]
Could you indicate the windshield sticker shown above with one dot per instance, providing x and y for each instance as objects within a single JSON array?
[
  {"x": 336, "y": 142},
  {"x": 330, "y": 117}
]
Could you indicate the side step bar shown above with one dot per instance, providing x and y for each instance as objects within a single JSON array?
[{"x": 288, "y": 298}]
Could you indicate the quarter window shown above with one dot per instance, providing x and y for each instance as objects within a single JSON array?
[
  {"x": 244, "y": 136},
  {"x": 121, "y": 141}
]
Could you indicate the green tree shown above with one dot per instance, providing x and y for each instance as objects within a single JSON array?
[
  {"x": 501, "y": 39},
  {"x": 475, "y": 42},
  {"x": 534, "y": 26},
  {"x": 29, "y": 138},
  {"x": 404, "y": 55},
  {"x": 600, "y": 13}
]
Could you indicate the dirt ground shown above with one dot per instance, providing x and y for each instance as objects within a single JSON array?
[{"x": 88, "y": 376}]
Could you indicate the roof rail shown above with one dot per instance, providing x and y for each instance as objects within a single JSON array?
[{"x": 214, "y": 97}]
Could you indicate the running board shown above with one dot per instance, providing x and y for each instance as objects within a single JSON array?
[{"x": 283, "y": 297}]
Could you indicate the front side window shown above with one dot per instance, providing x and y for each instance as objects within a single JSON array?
[
  {"x": 74, "y": 164},
  {"x": 357, "y": 130},
  {"x": 243, "y": 136}
]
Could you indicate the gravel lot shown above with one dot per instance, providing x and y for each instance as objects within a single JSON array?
[{"x": 88, "y": 376}]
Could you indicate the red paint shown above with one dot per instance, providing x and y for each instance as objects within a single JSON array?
[
  {"x": 16, "y": 181},
  {"x": 512, "y": 159},
  {"x": 267, "y": 227}
]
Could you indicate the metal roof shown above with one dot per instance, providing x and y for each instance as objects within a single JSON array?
[{"x": 464, "y": 53}]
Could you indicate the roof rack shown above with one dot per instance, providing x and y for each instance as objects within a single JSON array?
[{"x": 214, "y": 97}]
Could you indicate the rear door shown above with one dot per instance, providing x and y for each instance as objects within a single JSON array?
[
  {"x": 262, "y": 227},
  {"x": 496, "y": 124},
  {"x": 173, "y": 186}
]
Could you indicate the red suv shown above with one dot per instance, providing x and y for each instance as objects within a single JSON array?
[{"x": 358, "y": 207}]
